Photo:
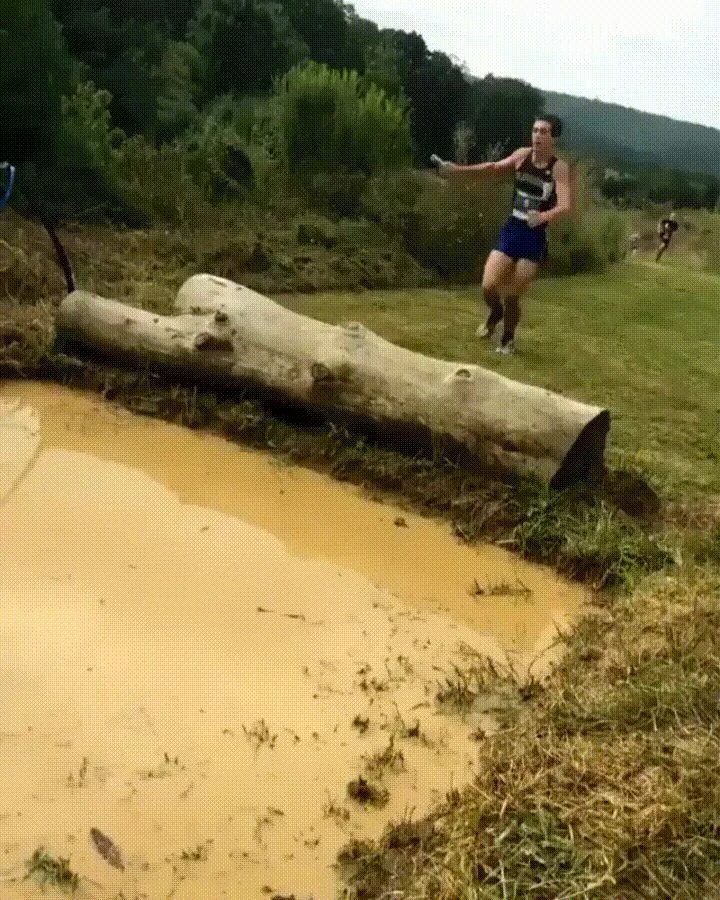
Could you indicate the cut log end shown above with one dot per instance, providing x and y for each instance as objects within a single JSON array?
[{"x": 584, "y": 461}]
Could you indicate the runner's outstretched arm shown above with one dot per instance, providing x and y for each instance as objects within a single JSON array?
[{"x": 500, "y": 167}]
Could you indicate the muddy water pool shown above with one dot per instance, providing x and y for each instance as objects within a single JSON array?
[{"x": 201, "y": 648}]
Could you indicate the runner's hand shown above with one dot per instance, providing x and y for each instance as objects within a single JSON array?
[
  {"x": 442, "y": 167},
  {"x": 533, "y": 218}
]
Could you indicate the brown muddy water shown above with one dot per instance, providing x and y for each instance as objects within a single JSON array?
[{"x": 201, "y": 647}]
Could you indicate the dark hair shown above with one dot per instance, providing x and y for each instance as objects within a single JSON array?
[{"x": 555, "y": 123}]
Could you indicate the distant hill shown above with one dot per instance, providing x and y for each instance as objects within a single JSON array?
[{"x": 622, "y": 136}]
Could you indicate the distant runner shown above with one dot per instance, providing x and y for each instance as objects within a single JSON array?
[
  {"x": 542, "y": 195},
  {"x": 666, "y": 230}
]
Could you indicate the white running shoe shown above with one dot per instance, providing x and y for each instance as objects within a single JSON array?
[
  {"x": 507, "y": 349},
  {"x": 484, "y": 332}
]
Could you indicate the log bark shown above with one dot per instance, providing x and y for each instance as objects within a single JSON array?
[{"x": 230, "y": 335}]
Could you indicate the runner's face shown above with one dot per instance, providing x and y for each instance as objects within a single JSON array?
[{"x": 542, "y": 139}]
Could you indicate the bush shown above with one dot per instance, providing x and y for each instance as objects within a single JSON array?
[
  {"x": 216, "y": 149},
  {"x": 455, "y": 225},
  {"x": 157, "y": 181},
  {"x": 331, "y": 121},
  {"x": 336, "y": 193},
  {"x": 447, "y": 226},
  {"x": 75, "y": 176},
  {"x": 587, "y": 243}
]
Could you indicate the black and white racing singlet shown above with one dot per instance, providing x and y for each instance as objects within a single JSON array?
[{"x": 534, "y": 188}]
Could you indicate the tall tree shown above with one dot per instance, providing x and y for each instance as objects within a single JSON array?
[
  {"x": 501, "y": 112},
  {"x": 323, "y": 26},
  {"x": 34, "y": 73},
  {"x": 438, "y": 91},
  {"x": 244, "y": 45}
]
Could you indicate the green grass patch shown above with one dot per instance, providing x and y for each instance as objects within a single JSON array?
[{"x": 50, "y": 871}]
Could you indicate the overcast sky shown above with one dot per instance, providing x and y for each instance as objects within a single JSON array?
[{"x": 658, "y": 56}]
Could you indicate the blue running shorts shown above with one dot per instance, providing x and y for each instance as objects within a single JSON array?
[{"x": 519, "y": 241}]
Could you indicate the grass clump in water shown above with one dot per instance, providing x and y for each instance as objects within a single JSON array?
[{"x": 46, "y": 869}]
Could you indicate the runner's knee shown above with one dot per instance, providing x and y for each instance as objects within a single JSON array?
[
  {"x": 517, "y": 287},
  {"x": 490, "y": 284}
]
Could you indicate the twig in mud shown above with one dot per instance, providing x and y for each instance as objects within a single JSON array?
[
  {"x": 366, "y": 793},
  {"x": 197, "y": 854},
  {"x": 362, "y": 724},
  {"x": 186, "y": 793},
  {"x": 259, "y": 733},
  {"x": 81, "y": 776},
  {"x": 298, "y": 616},
  {"x": 334, "y": 810},
  {"x": 501, "y": 589},
  {"x": 387, "y": 759}
]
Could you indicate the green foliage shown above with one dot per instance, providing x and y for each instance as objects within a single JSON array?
[
  {"x": 216, "y": 149},
  {"x": 588, "y": 539},
  {"x": 34, "y": 73},
  {"x": 439, "y": 93},
  {"x": 448, "y": 226},
  {"x": 502, "y": 111},
  {"x": 660, "y": 185},
  {"x": 157, "y": 182},
  {"x": 75, "y": 176},
  {"x": 323, "y": 26},
  {"x": 178, "y": 75},
  {"x": 245, "y": 44},
  {"x": 46, "y": 869},
  {"x": 329, "y": 121},
  {"x": 455, "y": 225},
  {"x": 383, "y": 67},
  {"x": 86, "y": 114},
  {"x": 587, "y": 243}
]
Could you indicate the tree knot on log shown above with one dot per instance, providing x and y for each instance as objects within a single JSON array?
[
  {"x": 460, "y": 375},
  {"x": 211, "y": 343},
  {"x": 356, "y": 329},
  {"x": 320, "y": 372}
]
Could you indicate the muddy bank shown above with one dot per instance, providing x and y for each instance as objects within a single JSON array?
[{"x": 207, "y": 647}]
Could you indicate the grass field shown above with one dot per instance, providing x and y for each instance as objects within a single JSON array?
[{"x": 642, "y": 339}]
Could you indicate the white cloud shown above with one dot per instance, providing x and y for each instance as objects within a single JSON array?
[{"x": 659, "y": 56}]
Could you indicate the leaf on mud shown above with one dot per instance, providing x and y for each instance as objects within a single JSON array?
[{"x": 107, "y": 848}]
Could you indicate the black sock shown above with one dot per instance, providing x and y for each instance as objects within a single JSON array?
[
  {"x": 512, "y": 317},
  {"x": 494, "y": 319}
]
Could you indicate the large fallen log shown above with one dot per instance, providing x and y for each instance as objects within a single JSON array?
[{"x": 227, "y": 334}]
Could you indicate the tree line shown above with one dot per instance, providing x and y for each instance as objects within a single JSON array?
[{"x": 232, "y": 95}]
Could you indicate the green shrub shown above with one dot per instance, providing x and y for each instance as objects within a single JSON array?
[
  {"x": 587, "y": 243},
  {"x": 330, "y": 121},
  {"x": 217, "y": 149},
  {"x": 158, "y": 182},
  {"x": 448, "y": 226}
]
